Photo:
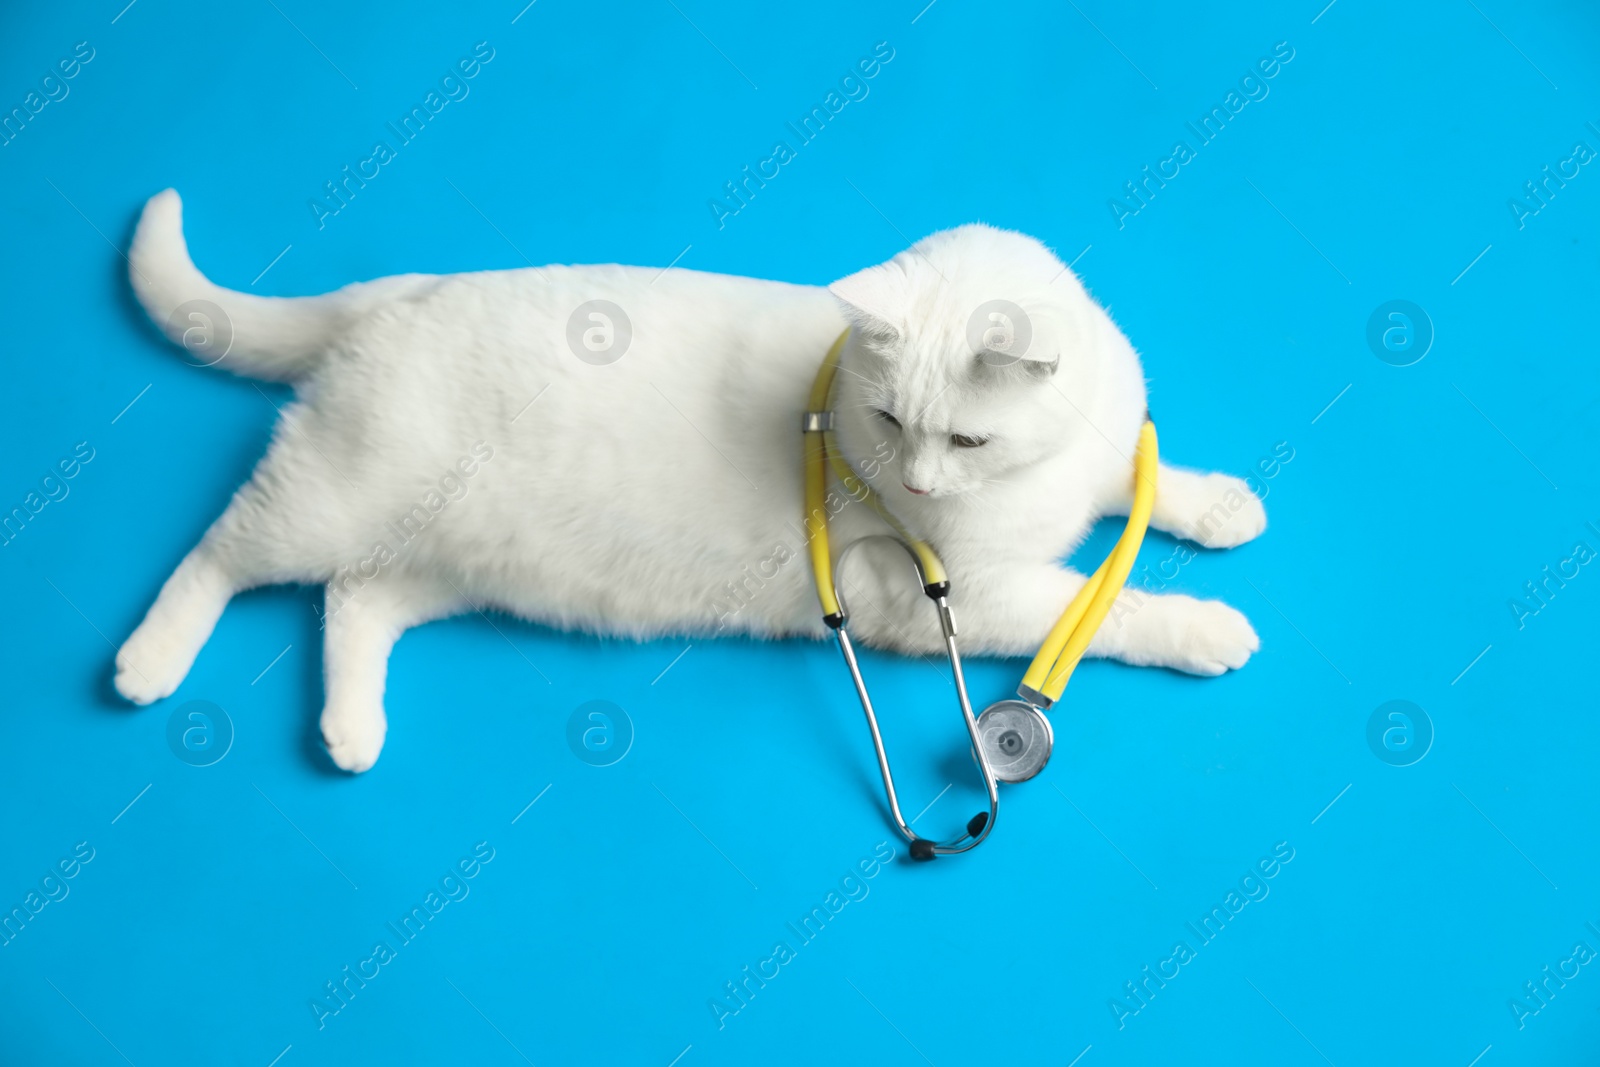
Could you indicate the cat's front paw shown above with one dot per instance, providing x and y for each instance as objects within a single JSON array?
[
  {"x": 1228, "y": 513},
  {"x": 353, "y": 738},
  {"x": 1215, "y": 639}
]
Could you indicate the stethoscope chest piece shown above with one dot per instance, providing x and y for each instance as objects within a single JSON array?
[{"x": 1016, "y": 739}]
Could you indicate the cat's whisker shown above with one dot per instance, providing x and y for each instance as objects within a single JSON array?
[{"x": 854, "y": 372}]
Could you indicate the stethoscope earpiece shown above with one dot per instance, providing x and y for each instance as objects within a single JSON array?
[
  {"x": 935, "y": 588},
  {"x": 923, "y": 849}
]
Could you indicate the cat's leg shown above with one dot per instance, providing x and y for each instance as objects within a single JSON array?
[
  {"x": 1214, "y": 510},
  {"x": 233, "y": 556},
  {"x": 359, "y": 634},
  {"x": 1148, "y": 629},
  {"x": 1007, "y": 611}
]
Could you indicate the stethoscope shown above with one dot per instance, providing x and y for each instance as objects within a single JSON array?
[{"x": 1012, "y": 739}]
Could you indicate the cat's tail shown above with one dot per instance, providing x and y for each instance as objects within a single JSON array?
[{"x": 272, "y": 338}]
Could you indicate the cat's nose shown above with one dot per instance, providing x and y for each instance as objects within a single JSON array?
[{"x": 918, "y": 492}]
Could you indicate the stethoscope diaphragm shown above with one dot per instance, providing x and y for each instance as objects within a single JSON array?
[{"x": 1016, "y": 739}]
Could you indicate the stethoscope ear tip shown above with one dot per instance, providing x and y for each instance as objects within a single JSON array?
[{"x": 923, "y": 849}]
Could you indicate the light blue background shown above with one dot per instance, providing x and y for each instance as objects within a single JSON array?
[{"x": 1413, "y": 511}]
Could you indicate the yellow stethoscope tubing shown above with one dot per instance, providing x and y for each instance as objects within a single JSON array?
[
  {"x": 1069, "y": 638},
  {"x": 822, "y": 452}
]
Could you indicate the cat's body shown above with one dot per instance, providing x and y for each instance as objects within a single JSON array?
[{"x": 460, "y": 442}]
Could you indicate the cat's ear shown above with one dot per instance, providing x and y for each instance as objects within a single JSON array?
[
  {"x": 1028, "y": 346},
  {"x": 1043, "y": 357},
  {"x": 1034, "y": 368},
  {"x": 874, "y": 300}
]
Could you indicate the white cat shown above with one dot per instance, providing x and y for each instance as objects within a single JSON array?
[{"x": 496, "y": 440}]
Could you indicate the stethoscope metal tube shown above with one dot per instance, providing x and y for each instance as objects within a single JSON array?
[{"x": 981, "y": 824}]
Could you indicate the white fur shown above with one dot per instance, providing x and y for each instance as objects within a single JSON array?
[{"x": 661, "y": 494}]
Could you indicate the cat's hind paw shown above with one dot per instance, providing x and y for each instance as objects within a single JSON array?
[{"x": 353, "y": 738}]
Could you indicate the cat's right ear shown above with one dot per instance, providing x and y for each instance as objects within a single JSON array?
[{"x": 874, "y": 300}]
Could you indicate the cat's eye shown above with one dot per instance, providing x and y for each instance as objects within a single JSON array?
[
  {"x": 886, "y": 417},
  {"x": 961, "y": 440}
]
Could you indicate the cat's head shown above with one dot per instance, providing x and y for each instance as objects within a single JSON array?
[{"x": 962, "y": 344}]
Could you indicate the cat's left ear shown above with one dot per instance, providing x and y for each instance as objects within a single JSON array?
[
  {"x": 1030, "y": 346},
  {"x": 1043, "y": 357},
  {"x": 874, "y": 299}
]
